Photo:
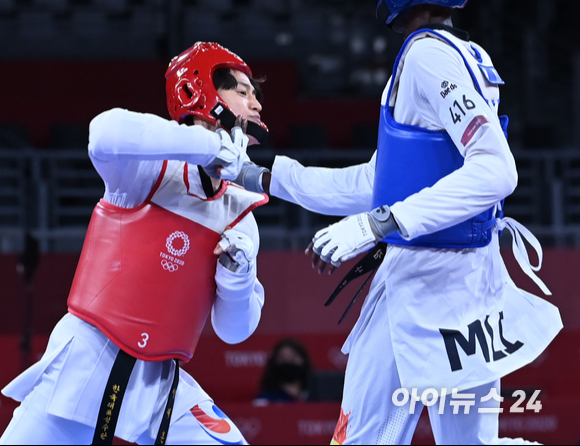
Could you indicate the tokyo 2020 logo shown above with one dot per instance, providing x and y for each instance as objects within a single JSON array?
[{"x": 178, "y": 252}]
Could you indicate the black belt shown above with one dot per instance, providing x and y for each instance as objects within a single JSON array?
[
  {"x": 369, "y": 264},
  {"x": 113, "y": 398}
]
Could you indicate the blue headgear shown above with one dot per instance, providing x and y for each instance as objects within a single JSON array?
[{"x": 398, "y": 6}]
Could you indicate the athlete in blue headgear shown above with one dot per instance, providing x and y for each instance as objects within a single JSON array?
[{"x": 443, "y": 321}]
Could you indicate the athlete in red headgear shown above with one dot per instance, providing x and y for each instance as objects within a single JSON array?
[{"x": 169, "y": 243}]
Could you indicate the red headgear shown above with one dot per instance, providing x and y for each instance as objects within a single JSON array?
[{"x": 191, "y": 91}]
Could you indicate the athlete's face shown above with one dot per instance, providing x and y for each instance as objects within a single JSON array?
[{"x": 242, "y": 100}]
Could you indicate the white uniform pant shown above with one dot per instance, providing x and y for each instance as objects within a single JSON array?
[
  {"x": 31, "y": 424},
  {"x": 369, "y": 415}
]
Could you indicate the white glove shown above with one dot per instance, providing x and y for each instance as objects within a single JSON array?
[
  {"x": 237, "y": 251},
  {"x": 353, "y": 235},
  {"x": 231, "y": 157}
]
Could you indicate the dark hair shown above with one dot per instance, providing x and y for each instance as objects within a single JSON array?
[
  {"x": 270, "y": 380},
  {"x": 224, "y": 79}
]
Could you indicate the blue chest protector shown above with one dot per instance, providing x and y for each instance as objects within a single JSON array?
[{"x": 411, "y": 158}]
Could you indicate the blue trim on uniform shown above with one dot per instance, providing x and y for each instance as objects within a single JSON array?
[{"x": 477, "y": 54}]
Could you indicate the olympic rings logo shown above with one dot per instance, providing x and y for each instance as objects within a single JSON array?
[
  {"x": 175, "y": 252},
  {"x": 168, "y": 266}
]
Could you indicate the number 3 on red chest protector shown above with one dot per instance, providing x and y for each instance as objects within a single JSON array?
[{"x": 143, "y": 343}]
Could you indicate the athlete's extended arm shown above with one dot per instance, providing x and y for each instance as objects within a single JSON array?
[
  {"x": 338, "y": 192},
  {"x": 240, "y": 296},
  {"x": 120, "y": 134},
  {"x": 325, "y": 191},
  {"x": 128, "y": 150}
]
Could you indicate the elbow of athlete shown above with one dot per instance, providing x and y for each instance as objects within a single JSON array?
[
  {"x": 101, "y": 134},
  {"x": 506, "y": 182},
  {"x": 234, "y": 327},
  {"x": 232, "y": 340},
  {"x": 237, "y": 336},
  {"x": 514, "y": 183}
]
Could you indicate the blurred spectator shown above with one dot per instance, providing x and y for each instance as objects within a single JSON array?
[{"x": 286, "y": 377}]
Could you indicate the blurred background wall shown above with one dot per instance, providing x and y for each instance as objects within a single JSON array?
[{"x": 326, "y": 63}]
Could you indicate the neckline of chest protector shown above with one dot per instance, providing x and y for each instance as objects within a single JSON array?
[
  {"x": 444, "y": 36},
  {"x": 519, "y": 232}
]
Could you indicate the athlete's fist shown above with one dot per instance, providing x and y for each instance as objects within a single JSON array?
[
  {"x": 350, "y": 237},
  {"x": 344, "y": 240},
  {"x": 236, "y": 251}
]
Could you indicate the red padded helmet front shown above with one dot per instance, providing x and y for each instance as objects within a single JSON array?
[{"x": 190, "y": 89}]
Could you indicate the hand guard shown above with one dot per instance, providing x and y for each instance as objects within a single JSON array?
[
  {"x": 353, "y": 235},
  {"x": 250, "y": 177},
  {"x": 230, "y": 159},
  {"x": 238, "y": 255}
]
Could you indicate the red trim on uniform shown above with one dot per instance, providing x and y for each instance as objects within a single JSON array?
[
  {"x": 186, "y": 176},
  {"x": 222, "y": 190},
  {"x": 473, "y": 127},
  {"x": 219, "y": 193},
  {"x": 250, "y": 209},
  {"x": 158, "y": 183}
]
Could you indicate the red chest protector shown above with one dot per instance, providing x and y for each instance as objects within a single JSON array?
[{"x": 146, "y": 275}]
